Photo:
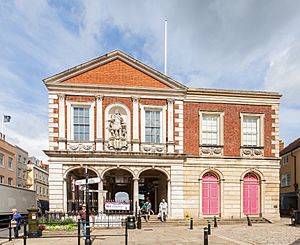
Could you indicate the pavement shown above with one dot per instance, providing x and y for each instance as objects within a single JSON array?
[{"x": 279, "y": 233}]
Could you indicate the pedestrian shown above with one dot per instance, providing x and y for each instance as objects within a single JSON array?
[
  {"x": 146, "y": 209},
  {"x": 163, "y": 210},
  {"x": 16, "y": 222},
  {"x": 82, "y": 216}
]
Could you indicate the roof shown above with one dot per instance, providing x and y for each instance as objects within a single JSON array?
[{"x": 293, "y": 146}]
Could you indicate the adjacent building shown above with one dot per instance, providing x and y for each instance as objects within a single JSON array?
[
  {"x": 209, "y": 152},
  {"x": 7, "y": 163},
  {"x": 38, "y": 180},
  {"x": 290, "y": 177}
]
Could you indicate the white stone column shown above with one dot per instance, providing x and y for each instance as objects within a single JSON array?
[
  {"x": 169, "y": 198},
  {"x": 200, "y": 214},
  {"x": 99, "y": 123},
  {"x": 56, "y": 187},
  {"x": 100, "y": 196},
  {"x": 135, "y": 192},
  {"x": 170, "y": 126},
  {"x": 61, "y": 122},
  {"x": 65, "y": 196},
  {"x": 135, "y": 125}
]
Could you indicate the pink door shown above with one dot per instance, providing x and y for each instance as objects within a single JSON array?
[
  {"x": 210, "y": 194},
  {"x": 251, "y": 194}
]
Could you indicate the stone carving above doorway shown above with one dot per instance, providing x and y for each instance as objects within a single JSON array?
[{"x": 117, "y": 131}]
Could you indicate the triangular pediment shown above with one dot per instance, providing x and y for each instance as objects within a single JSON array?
[{"x": 114, "y": 69}]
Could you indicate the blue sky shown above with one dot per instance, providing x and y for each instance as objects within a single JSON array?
[{"x": 249, "y": 45}]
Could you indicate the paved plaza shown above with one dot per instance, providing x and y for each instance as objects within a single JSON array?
[{"x": 279, "y": 233}]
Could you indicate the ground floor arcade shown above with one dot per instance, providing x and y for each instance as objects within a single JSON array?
[{"x": 200, "y": 187}]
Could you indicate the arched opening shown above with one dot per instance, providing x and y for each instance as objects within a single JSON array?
[
  {"x": 117, "y": 187},
  {"x": 76, "y": 193},
  {"x": 210, "y": 194},
  {"x": 251, "y": 194},
  {"x": 153, "y": 187}
]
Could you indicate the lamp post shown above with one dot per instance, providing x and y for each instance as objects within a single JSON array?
[{"x": 87, "y": 200}]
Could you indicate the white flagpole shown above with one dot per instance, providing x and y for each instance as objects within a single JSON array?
[
  {"x": 166, "y": 40},
  {"x": 2, "y": 131}
]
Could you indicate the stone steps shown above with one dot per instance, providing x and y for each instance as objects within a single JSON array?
[{"x": 201, "y": 222}]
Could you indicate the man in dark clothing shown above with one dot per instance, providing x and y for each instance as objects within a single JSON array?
[{"x": 82, "y": 214}]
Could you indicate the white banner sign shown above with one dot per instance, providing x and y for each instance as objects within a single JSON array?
[{"x": 124, "y": 206}]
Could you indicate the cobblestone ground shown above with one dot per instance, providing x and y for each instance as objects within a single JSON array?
[{"x": 279, "y": 233}]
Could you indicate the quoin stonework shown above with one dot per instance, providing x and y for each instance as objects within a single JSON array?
[{"x": 208, "y": 152}]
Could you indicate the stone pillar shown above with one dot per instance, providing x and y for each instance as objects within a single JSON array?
[
  {"x": 169, "y": 198},
  {"x": 170, "y": 126},
  {"x": 135, "y": 125},
  {"x": 65, "y": 196},
  {"x": 135, "y": 192},
  {"x": 99, "y": 123},
  {"x": 100, "y": 197},
  {"x": 61, "y": 122},
  {"x": 56, "y": 187}
]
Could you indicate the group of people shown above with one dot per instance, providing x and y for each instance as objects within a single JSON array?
[{"x": 146, "y": 210}]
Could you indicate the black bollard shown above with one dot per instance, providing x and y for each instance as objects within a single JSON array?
[
  {"x": 126, "y": 233},
  {"x": 209, "y": 228},
  {"x": 249, "y": 221},
  {"x": 139, "y": 222},
  {"x": 191, "y": 223},
  {"x": 9, "y": 231},
  {"x": 25, "y": 233},
  {"x": 78, "y": 232},
  {"x": 215, "y": 222},
  {"x": 205, "y": 236}
]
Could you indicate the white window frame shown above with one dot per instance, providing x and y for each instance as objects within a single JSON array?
[
  {"x": 260, "y": 124},
  {"x": 12, "y": 163},
  {"x": 163, "y": 120},
  {"x": 2, "y": 161},
  {"x": 220, "y": 134},
  {"x": 70, "y": 118},
  {"x": 285, "y": 160},
  {"x": 284, "y": 180}
]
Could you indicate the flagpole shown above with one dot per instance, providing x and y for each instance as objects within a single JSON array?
[{"x": 2, "y": 126}]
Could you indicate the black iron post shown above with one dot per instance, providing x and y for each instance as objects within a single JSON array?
[
  {"x": 78, "y": 232},
  {"x": 25, "y": 233},
  {"x": 126, "y": 232},
  {"x": 215, "y": 222},
  {"x": 249, "y": 221},
  {"x": 9, "y": 231},
  {"x": 205, "y": 236},
  {"x": 139, "y": 222},
  {"x": 191, "y": 223},
  {"x": 209, "y": 228},
  {"x": 87, "y": 200}
]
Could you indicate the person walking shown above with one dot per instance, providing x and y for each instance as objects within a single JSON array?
[
  {"x": 163, "y": 210},
  {"x": 146, "y": 208},
  {"x": 16, "y": 222},
  {"x": 82, "y": 216}
]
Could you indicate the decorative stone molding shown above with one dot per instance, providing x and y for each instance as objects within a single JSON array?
[
  {"x": 99, "y": 97},
  {"x": 150, "y": 148},
  {"x": 252, "y": 151},
  {"x": 61, "y": 97},
  {"x": 75, "y": 146},
  {"x": 216, "y": 150},
  {"x": 135, "y": 99}
]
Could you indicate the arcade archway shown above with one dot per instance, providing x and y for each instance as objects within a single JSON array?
[
  {"x": 117, "y": 185},
  {"x": 76, "y": 193},
  {"x": 153, "y": 187}
]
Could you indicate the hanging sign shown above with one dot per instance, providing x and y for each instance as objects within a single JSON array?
[{"x": 124, "y": 206}]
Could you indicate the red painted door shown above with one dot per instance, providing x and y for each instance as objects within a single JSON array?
[
  {"x": 210, "y": 195},
  {"x": 251, "y": 194}
]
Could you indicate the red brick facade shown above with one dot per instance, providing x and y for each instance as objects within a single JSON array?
[{"x": 116, "y": 73}]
